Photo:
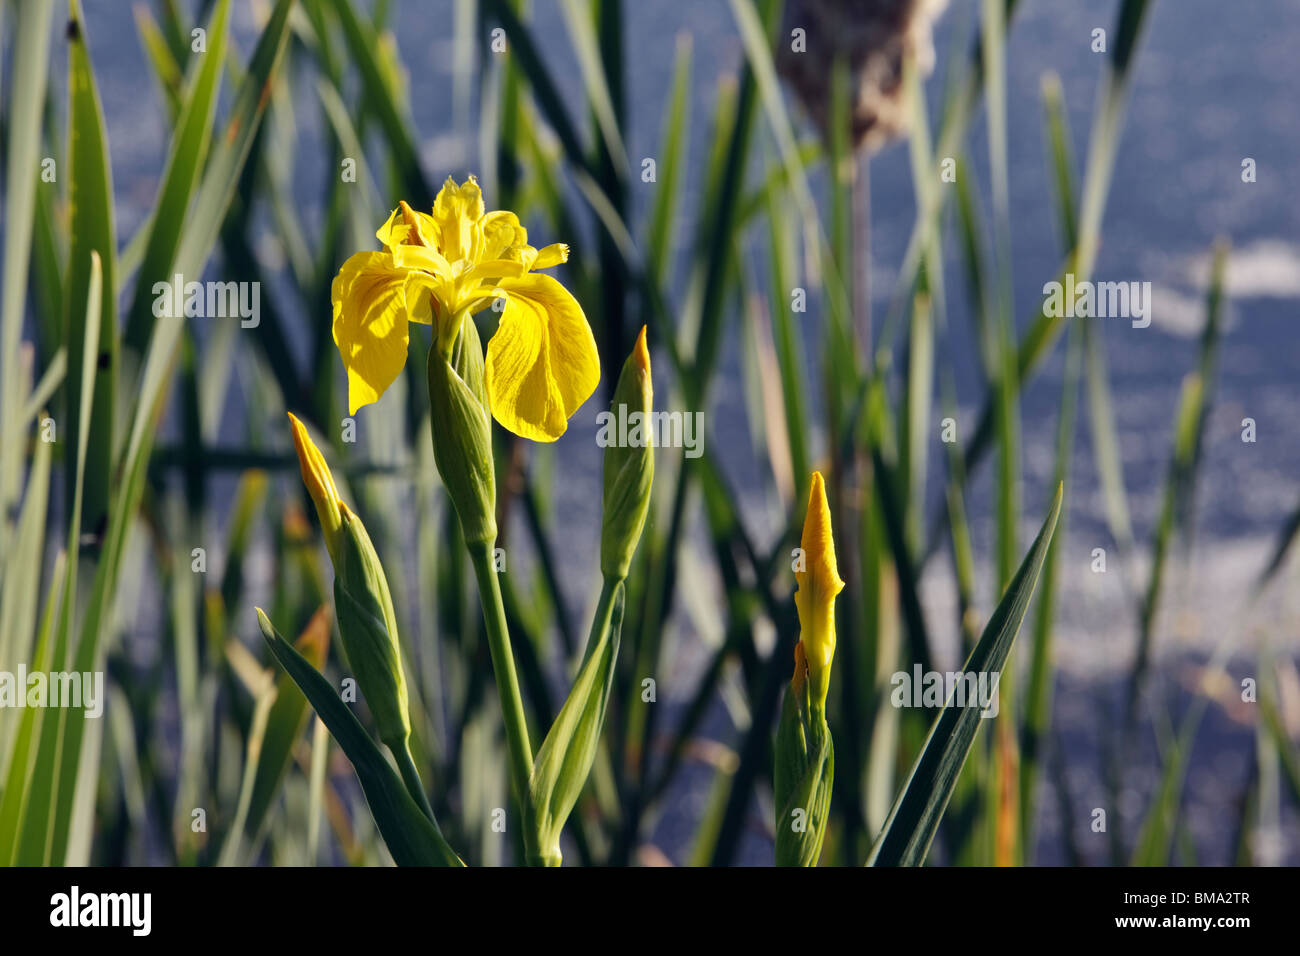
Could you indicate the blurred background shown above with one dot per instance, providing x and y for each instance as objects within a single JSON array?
[{"x": 1128, "y": 694}]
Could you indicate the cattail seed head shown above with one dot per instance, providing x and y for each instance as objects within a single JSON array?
[{"x": 874, "y": 38}]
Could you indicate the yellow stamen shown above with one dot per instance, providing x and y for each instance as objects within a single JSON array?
[{"x": 414, "y": 237}]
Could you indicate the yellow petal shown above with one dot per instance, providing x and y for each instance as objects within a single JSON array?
[
  {"x": 370, "y": 324},
  {"x": 503, "y": 236},
  {"x": 551, "y": 255},
  {"x": 424, "y": 292},
  {"x": 542, "y": 362},
  {"x": 392, "y": 232},
  {"x": 456, "y": 214},
  {"x": 423, "y": 258},
  {"x": 494, "y": 270},
  {"x": 821, "y": 571}
]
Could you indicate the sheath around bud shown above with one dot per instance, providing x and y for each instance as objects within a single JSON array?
[
  {"x": 629, "y": 470},
  {"x": 803, "y": 773},
  {"x": 368, "y": 627},
  {"x": 462, "y": 432},
  {"x": 364, "y": 605}
]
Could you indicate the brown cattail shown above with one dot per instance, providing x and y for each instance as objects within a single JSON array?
[{"x": 874, "y": 37}]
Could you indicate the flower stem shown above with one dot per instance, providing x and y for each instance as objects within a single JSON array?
[{"x": 512, "y": 703}]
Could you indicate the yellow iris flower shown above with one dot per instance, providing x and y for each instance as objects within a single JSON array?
[
  {"x": 819, "y": 584},
  {"x": 440, "y": 269}
]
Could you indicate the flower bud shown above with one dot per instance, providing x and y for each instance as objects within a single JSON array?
[
  {"x": 629, "y": 471},
  {"x": 462, "y": 432},
  {"x": 819, "y": 583},
  {"x": 364, "y": 605},
  {"x": 368, "y": 627},
  {"x": 320, "y": 485},
  {"x": 804, "y": 766}
]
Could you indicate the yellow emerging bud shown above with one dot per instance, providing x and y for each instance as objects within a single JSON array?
[
  {"x": 641, "y": 354},
  {"x": 819, "y": 583},
  {"x": 320, "y": 485}
]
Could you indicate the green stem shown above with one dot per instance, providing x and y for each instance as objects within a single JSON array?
[{"x": 512, "y": 703}]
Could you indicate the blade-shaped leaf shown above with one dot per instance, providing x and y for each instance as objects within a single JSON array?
[
  {"x": 382, "y": 103},
  {"x": 21, "y": 584},
  {"x": 22, "y": 146},
  {"x": 410, "y": 836},
  {"x": 214, "y": 195},
  {"x": 910, "y": 828},
  {"x": 285, "y": 724},
  {"x": 189, "y": 146},
  {"x": 90, "y": 226},
  {"x": 42, "y": 823}
]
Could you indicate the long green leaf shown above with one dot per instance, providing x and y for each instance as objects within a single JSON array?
[
  {"x": 166, "y": 70},
  {"x": 27, "y": 737},
  {"x": 672, "y": 158},
  {"x": 411, "y": 837},
  {"x": 90, "y": 226},
  {"x": 382, "y": 103},
  {"x": 215, "y": 193},
  {"x": 1044, "y": 329},
  {"x": 189, "y": 147},
  {"x": 40, "y": 838},
  {"x": 23, "y": 143},
  {"x": 285, "y": 725},
  {"x": 21, "y": 584},
  {"x": 586, "y": 45},
  {"x": 909, "y": 831},
  {"x": 549, "y": 100}
]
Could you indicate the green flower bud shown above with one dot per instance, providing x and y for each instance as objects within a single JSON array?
[
  {"x": 629, "y": 471},
  {"x": 368, "y": 627},
  {"x": 803, "y": 772},
  {"x": 462, "y": 432}
]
